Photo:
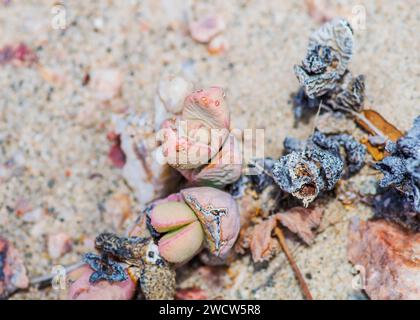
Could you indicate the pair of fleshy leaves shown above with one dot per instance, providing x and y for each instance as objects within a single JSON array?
[{"x": 195, "y": 218}]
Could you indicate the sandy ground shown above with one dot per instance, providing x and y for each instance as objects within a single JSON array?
[{"x": 53, "y": 130}]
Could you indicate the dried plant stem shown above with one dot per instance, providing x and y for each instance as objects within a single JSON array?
[
  {"x": 259, "y": 167},
  {"x": 49, "y": 277},
  {"x": 301, "y": 280},
  {"x": 365, "y": 120},
  {"x": 314, "y": 127}
]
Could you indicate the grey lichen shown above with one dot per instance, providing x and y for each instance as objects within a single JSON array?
[
  {"x": 402, "y": 168},
  {"x": 315, "y": 165}
]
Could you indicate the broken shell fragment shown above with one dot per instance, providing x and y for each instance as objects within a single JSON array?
[
  {"x": 59, "y": 244},
  {"x": 172, "y": 92},
  {"x": 219, "y": 217},
  {"x": 106, "y": 83}
]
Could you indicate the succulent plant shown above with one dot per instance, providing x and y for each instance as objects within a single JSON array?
[
  {"x": 199, "y": 143},
  {"x": 181, "y": 224},
  {"x": 199, "y": 217},
  {"x": 195, "y": 141},
  {"x": 145, "y": 266}
]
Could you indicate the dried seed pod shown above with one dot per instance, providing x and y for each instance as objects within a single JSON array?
[
  {"x": 349, "y": 93},
  {"x": 355, "y": 153},
  {"x": 316, "y": 164},
  {"x": 402, "y": 168},
  {"x": 304, "y": 175},
  {"x": 329, "y": 52},
  {"x": 157, "y": 283}
]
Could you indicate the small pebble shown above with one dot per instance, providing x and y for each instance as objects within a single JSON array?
[
  {"x": 207, "y": 28},
  {"x": 218, "y": 45},
  {"x": 106, "y": 83},
  {"x": 59, "y": 244},
  {"x": 12, "y": 270}
]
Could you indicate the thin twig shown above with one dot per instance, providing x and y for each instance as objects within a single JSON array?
[
  {"x": 365, "y": 120},
  {"x": 313, "y": 128},
  {"x": 301, "y": 280},
  {"x": 49, "y": 277},
  {"x": 259, "y": 167}
]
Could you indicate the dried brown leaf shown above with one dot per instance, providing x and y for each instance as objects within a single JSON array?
[
  {"x": 380, "y": 123},
  {"x": 377, "y": 152},
  {"x": 262, "y": 245},
  {"x": 371, "y": 118},
  {"x": 302, "y": 221}
]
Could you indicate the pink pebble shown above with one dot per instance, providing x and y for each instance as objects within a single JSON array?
[
  {"x": 206, "y": 28},
  {"x": 58, "y": 245}
]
